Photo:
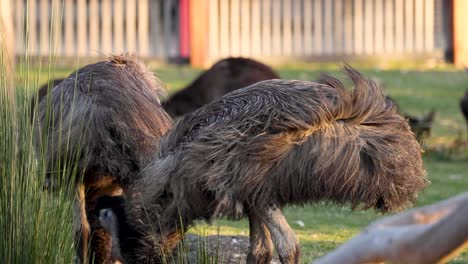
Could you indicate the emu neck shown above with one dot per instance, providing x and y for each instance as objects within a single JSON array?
[{"x": 116, "y": 256}]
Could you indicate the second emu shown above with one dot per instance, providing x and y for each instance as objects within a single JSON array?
[
  {"x": 223, "y": 77},
  {"x": 262, "y": 147}
]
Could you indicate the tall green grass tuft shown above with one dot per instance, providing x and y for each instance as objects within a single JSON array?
[{"x": 36, "y": 222}]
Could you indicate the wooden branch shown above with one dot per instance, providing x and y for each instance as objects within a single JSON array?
[{"x": 430, "y": 234}]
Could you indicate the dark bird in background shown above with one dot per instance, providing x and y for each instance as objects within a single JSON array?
[
  {"x": 420, "y": 125},
  {"x": 223, "y": 77},
  {"x": 108, "y": 115},
  {"x": 262, "y": 147},
  {"x": 464, "y": 107}
]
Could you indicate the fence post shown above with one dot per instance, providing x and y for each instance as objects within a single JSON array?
[
  {"x": 460, "y": 35},
  {"x": 199, "y": 33},
  {"x": 7, "y": 46},
  {"x": 184, "y": 24}
]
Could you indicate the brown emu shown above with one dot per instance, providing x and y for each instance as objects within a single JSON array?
[
  {"x": 223, "y": 77},
  {"x": 110, "y": 115},
  {"x": 262, "y": 147}
]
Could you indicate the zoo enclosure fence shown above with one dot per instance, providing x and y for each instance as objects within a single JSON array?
[{"x": 207, "y": 30}]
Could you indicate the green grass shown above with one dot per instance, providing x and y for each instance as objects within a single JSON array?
[
  {"x": 34, "y": 226},
  {"x": 416, "y": 91}
]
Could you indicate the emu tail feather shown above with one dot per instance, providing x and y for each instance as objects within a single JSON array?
[{"x": 364, "y": 155}]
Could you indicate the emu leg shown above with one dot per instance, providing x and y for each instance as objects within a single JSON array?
[
  {"x": 283, "y": 236},
  {"x": 261, "y": 246}
]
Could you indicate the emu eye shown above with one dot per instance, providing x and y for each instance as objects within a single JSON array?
[{"x": 105, "y": 213}]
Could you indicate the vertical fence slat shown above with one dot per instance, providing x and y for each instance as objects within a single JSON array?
[
  {"x": 368, "y": 27},
  {"x": 224, "y": 38},
  {"x": 157, "y": 43},
  {"x": 328, "y": 27},
  {"x": 379, "y": 27},
  {"x": 184, "y": 29},
  {"x": 94, "y": 27},
  {"x": 118, "y": 26},
  {"x": 143, "y": 15},
  {"x": 298, "y": 34},
  {"x": 358, "y": 27},
  {"x": 287, "y": 25},
  {"x": 308, "y": 27},
  {"x": 44, "y": 27},
  {"x": 56, "y": 33},
  {"x": 255, "y": 28},
  {"x": 276, "y": 27},
  {"x": 409, "y": 26},
  {"x": 317, "y": 35},
  {"x": 69, "y": 42},
  {"x": 19, "y": 25},
  {"x": 245, "y": 28},
  {"x": 348, "y": 27},
  {"x": 32, "y": 29},
  {"x": 338, "y": 27},
  {"x": 167, "y": 18},
  {"x": 419, "y": 24},
  {"x": 82, "y": 40},
  {"x": 399, "y": 26},
  {"x": 389, "y": 27},
  {"x": 235, "y": 27},
  {"x": 429, "y": 25},
  {"x": 266, "y": 28},
  {"x": 106, "y": 26},
  {"x": 130, "y": 24},
  {"x": 213, "y": 43}
]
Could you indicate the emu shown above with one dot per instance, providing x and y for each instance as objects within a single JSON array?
[
  {"x": 223, "y": 77},
  {"x": 260, "y": 148},
  {"x": 108, "y": 113}
]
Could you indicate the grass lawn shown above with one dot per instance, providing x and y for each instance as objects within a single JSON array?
[{"x": 416, "y": 92}]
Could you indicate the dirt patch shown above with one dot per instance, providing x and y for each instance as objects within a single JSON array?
[{"x": 218, "y": 249}]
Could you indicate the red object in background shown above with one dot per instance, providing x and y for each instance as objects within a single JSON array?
[{"x": 184, "y": 28}]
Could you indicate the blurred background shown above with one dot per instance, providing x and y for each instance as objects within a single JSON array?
[{"x": 273, "y": 31}]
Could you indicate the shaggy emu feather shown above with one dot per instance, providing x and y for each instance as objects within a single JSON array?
[
  {"x": 265, "y": 146},
  {"x": 110, "y": 115},
  {"x": 223, "y": 77}
]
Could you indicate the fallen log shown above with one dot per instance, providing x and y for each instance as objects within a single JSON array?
[{"x": 430, "y": 234}]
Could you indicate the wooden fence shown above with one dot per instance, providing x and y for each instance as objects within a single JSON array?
[
  {"x": 212, "y": 29},
  {"x": 302, "y": 29},
  {"x": 95, "y": 27}
]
